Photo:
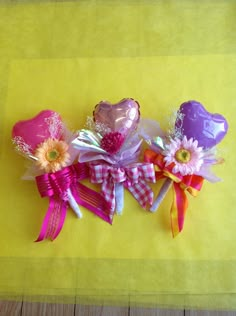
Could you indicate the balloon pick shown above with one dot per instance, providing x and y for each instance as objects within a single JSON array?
[
  {"x": 45, "y": 140},
  {"x": 111, "y": 145},
  {"x": 183, "y": 157}
]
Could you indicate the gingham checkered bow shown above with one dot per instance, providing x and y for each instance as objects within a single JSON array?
[{"x": 133, "y": 177}]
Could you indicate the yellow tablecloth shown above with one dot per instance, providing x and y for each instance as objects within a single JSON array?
[{"x": 67, "y": 56}]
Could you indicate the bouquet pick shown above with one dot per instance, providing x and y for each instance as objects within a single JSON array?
[
  {"x": 45, "y": 140},
  {"x": 183, "y": 157},
  {"x": 111, "y": 145}
]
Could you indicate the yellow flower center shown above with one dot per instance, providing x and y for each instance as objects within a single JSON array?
[
  {"x": 183, "y": 155},
  {"x": 52, "y": 155}
]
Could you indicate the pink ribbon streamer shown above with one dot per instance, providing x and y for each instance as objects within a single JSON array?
[
  {"x": 55, "y": 186},
  {"x": 133, "y": 177}
]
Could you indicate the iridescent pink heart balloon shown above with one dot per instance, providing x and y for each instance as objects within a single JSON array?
[
  {"x": 122, "y": 117},
  {"x": 197, "y": 123},
  {"x": 28, "y": 134}
]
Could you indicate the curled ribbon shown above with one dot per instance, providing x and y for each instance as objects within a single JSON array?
[
  {"x": 63, "y": 189},
  {"x": 133, "y": 178},
  {"x": 181, "y": 184}
]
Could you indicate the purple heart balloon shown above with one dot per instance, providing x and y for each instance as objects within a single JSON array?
[
  {"x": 207, "y": 128},
  {"x": 122, "y": 117}
]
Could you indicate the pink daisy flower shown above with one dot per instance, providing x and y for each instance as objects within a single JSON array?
[{"x": 185, "y": 154}]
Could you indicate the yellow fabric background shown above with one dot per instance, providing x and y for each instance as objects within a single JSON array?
[{"x": 67, "y": 57}]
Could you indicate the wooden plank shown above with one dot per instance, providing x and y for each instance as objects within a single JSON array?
[
  {"x": 136, "y": 311},
  {"x": 209, "y": 313},
  {"x": 10, "y": 308},
  {"x": 45, "y": 309},
  {"x": 85, "y": 310}
]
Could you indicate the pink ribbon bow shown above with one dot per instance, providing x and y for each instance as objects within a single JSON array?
[
  {"x": 133, "y": 178},
  {"x": 59, "y": 187}
]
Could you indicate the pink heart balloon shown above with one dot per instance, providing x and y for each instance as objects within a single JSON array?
[
  {"x": 122, "y": 117},
  {"x": 32, "y": 132}
]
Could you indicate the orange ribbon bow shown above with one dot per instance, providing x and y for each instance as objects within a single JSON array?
[{"x": 181, "y": 184}]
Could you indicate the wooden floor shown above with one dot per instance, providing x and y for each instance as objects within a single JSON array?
[{"x": 44, "y": 309}]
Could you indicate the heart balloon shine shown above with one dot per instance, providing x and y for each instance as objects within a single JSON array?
[
  {"x": 122, "y": 117},
  {"x": 197, "y": 123},
  {"x": 32, "y": 132}
]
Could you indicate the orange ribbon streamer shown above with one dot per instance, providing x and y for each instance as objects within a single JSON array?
[{"x": 181, "y": 184}]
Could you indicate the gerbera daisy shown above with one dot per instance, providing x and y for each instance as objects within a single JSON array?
[
  {"x": 52, "y": 155},
  {"x": 185, "y": 154}
]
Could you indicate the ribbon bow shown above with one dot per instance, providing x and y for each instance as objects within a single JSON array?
[
  {"x": 62, "y": 189},
  {"x": 180, "y": 184},
  {"x": 133, "y": 178}
]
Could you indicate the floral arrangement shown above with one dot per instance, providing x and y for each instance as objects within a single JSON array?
[
  {"x": 47, "y": 143},
  {"x": 108, "y": 152},
  {"x": 184, "y": 156},
  {"x": 111, "y": 145}
]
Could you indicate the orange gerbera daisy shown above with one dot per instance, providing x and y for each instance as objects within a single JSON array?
[{"x": 52, "y": 155}]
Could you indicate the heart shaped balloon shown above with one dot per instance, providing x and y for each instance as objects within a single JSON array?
[
  {"x": 28, "y": 134},
  {"x": 122, "y": 117},
  {"x": 197, "y": 123}
]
